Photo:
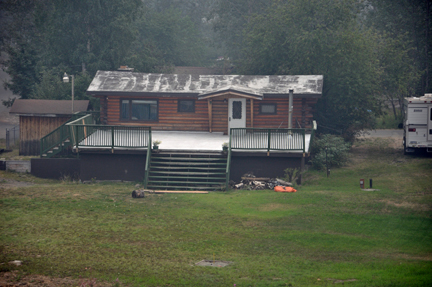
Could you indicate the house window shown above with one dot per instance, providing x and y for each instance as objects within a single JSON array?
[
  {"x": 268, "y": 109},
  {"x": 186, "y": 106},
  {"x": 139, "y": 110},
  {"x": 236, "y": 109}
]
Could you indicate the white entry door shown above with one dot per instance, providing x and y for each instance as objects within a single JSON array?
[{"x": 236, "y": 113}]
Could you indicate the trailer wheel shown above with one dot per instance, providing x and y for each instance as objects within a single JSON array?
[{"x": 404, "y": 146}]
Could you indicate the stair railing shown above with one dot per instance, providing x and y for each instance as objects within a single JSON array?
[
  {"x": 58, "y": 136},
  {"x": 78, "y": 134},
  {"x": 148, "y": 158},
  {"x": 228, "y": 167}
]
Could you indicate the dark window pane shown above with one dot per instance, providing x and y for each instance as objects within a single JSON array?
[
  {"x": 125, "y": 109},
  {"x": 144, "y": 110},
  {"x": 236, "y": 109},
  {"x": 186, "y": 106},
  {"x": 268, "y": 109}
]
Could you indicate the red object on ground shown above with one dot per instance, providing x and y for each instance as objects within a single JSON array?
[{"x": 284, "y": 189}]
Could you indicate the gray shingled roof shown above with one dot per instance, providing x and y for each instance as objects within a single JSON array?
[
  {"x": 47, "y": 107},
  {"x": 115, "y": 82}
]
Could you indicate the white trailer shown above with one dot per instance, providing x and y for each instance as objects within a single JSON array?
[{"x": 418, "y": 124}]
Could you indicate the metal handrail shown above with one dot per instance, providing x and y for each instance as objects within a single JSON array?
[
  {"x": 111, "y": 136},
  {"x": 58, "y": 135},
  {"x": 148, "y": 160},
  {"x": 228, "y": 167},
  {"x": 268, "y": 139}
]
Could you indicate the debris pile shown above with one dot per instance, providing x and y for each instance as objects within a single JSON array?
[{"x": 251, "y": 182}]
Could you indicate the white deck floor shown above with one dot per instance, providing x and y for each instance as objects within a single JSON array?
[{"x": 196, "y": 141}]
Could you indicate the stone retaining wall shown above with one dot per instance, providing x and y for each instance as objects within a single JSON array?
[{"x": 18, "y": 165}]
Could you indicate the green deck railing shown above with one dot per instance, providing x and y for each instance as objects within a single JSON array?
[
  {"x": 268, "y": 139},
  {"x": 228, "y": 167},
  {"x": 60, "y": 134},
  {"x": 110, "y": 136},
  {"x": 77, "y": 134},
  {"x": 148, "y": 161}
]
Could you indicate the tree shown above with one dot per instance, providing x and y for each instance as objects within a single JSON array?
[
  {"x": 21, "y": 65},
  {"x": 410, "y": 21},
  {"x": 320, "y": 37},
  {"x": 164, "y": 39},
  {"x": 229, "y": 18},
  {"x": 83, "y": 36},
  {"x": 400, "y": 75}
]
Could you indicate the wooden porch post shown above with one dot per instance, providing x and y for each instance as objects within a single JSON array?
[
  {"x": 210, "y": 109},
  {"x": 251, "y": 107}
]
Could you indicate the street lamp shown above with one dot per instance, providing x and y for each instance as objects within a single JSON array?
[{"x": 66, "y": 80}]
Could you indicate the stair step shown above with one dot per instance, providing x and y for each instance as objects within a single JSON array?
[
  {"x": 185, "y": 173},
  {"x": 189, "y": 177},
  {"x": 179, "y": 187},
  {"x": 187, "y": 163},
  {"x": 188, "y": 158},
  {"x": 56, "y": 148},
  {"x": 187, "y": 168},
  {"x": 189, "y": 154},
  {"x": 153, "y": 182}
]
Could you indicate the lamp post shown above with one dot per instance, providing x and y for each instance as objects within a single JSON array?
[{"x": 66, "y": 80}]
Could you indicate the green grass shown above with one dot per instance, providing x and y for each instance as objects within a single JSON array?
[
  {"x": 329, "y": 230},
  {"x": 12, "y": 153},
  {"x": 388, "y": 121}
]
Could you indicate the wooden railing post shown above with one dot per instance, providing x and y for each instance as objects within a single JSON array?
[
  {"x": 112, "y": 138},
  {"x": 61, "y": 139},
  {"x": 76, "y": 140},
  {"x": 268, "y": 143},
  {"x": 148, "y": 159},
  {"x": 228, "y": 167},
  {"x": 304, "y": 141}
]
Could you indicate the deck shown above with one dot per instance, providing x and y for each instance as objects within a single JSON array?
[{"x": 192, "y": 141}]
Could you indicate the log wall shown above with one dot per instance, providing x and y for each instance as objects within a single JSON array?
[
  {"x": 302, "y": 113},
  {"x": 170, "y": 119},
  {"x": 168, "y": 116},
  {"x": 32, "y": 129}
]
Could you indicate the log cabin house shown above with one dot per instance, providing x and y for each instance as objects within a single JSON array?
[
  {"x": 207, "y": 103},
  {"x": 250, "y": 113},
  {"x": 37, "y": 118}
]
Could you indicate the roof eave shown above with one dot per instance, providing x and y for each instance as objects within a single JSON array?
[{"x": 230, "y": 93}]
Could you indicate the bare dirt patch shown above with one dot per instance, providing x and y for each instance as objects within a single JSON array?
[
  {"x": 17, "y": 278},
  {"x": 11, "y": 184},
  {"x": 408, "y": 205}
]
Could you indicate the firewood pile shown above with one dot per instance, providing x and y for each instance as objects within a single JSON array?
[{"x": 251, "y": 182}]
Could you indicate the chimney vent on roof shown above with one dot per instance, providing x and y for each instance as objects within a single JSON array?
[{"x": 125, "y": 69}]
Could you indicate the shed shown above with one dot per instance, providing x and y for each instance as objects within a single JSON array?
[{"x": 38, "y": 118}]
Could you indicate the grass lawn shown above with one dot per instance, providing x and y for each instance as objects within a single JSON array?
[{"x": 327, "y": 233}]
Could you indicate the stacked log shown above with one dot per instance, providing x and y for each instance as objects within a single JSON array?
[{"x": 250, "y": 182}]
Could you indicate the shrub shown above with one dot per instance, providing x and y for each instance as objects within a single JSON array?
[
  {"x": 291, "y": 174},
  {"x": 334, "y": 146}
]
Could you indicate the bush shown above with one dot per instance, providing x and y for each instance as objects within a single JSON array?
[{"x": 336, "y": 149}]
